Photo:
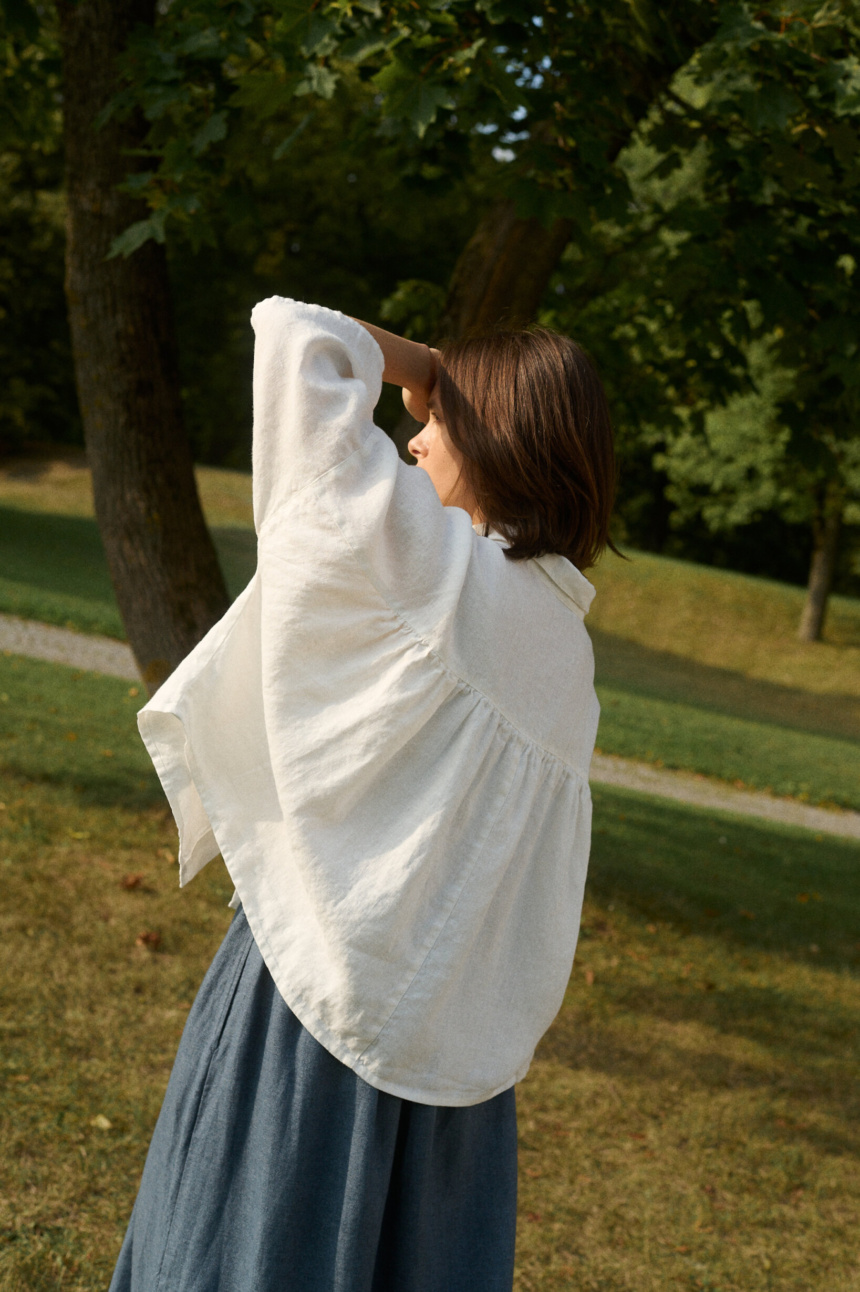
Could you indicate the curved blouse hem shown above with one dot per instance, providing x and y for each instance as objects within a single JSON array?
[{"x": 443, "y": 1098}]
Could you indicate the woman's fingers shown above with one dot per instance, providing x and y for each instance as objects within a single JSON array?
[{"x": 436, "y": 356}]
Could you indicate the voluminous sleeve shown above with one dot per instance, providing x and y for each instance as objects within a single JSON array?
[
  {"x": 329, "y": 486},
  {"x": 317, "y": 379}
]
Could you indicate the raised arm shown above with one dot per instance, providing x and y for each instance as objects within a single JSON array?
[{"x": 408, "y": 364}]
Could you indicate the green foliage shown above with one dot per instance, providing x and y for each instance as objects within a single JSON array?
[
  {"x": 736, "y": 466},
  {"x": 414, "y": 308},
  {"x": 338, "y": 222},
  {"x": 707, "y": 162},
  {"x": 544, "y": 101},
  {"x": 37, "y": 396},
  {"x": 774, "y": 97},
  {"x": 732, "y": 284}
]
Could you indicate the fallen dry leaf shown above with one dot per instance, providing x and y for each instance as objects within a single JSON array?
[
  {"x": 166, "y": 855},
  {"x": 589, "y": 977},
  {"x": 132, "y": 881},
  {"x": 71, "y": 735},
  {"x": 101, "y": 1122},
  {"x": 148, "y": 938}
]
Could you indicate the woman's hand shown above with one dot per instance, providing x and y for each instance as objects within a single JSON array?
[
  {"x": 416, "y": 401},
  {"x": 408, "y": 364}
]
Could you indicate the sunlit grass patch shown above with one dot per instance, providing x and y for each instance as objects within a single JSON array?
[
  {"x": 74, "y": 730},
  {"x": 821, "y": 769},
  {"x": 722, "y": 619},
  {"x": 690, "y": 1120},
  {"x": 99, "y": 959}
]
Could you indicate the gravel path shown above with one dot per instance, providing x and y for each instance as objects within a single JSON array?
[
  {"x": 62, "y": 646},
  {"x": 104, "y": 655},
  {"x": 687, "y": 787}
]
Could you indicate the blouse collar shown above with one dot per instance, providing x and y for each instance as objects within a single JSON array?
[{"x": 568, "y": 583}]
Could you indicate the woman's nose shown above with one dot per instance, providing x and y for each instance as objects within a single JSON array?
[{"x": 416, "y": 446}]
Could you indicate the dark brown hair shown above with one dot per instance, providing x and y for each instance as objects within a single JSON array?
[{"x": 529, "y": 415}]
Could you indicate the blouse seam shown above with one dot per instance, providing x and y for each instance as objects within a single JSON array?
[{"x": 400, "y": 615}]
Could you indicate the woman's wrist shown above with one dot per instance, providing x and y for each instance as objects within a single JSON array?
[{"x": 409, "y": 364}]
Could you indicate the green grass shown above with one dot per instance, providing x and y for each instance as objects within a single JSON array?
[
  {"x": 690, "y": 1120},
  {"x": 54, "y": 569},
  {"x": 755, "y": 755},
  {"x": 741, "y": 628},
  {"x": 697, "y": 669},
  {"x": 700, "y": 669},
  {"x": 75, "y": 732}
]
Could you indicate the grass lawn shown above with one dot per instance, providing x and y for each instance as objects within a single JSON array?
[
  {"x": 54, "y": 569},
  {"x": 750, "y": 754},
  {"x": 697, "y": 668},
  {"x": 690, "y": 1120}
]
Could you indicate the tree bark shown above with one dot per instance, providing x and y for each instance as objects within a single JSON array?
[
  {"x": 498, "y": 281},
  {"x": 505, "y": 268},
  {"x": 822, "y": 566},
  {"x": 160, "y": 554},
  {"x": 502, "y": 272}
]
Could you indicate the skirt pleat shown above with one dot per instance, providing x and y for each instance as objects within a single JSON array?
[{"x": 274, "y": 1168}]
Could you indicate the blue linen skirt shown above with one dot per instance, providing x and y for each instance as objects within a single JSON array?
[{"x": 274, "y": 1168}]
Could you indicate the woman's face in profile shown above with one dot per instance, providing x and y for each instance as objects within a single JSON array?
[{"x": 434, "y": 453}]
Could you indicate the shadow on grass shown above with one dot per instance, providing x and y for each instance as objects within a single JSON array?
[
  {"x": 638, "y": 670},
  {"x": 681, "y": 904},
  {"x": 753, "y": 884},
  {"x": 54, "y": 569}
]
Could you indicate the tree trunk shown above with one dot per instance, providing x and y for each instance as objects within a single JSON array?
[
  {"x": 502, "y": 272},
  {"x": 162, "y": 561},
  {"x": 822, "y": 566},
  {"x": 498, "y": 281}
]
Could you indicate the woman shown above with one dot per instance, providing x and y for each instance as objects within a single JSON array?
[{"x": 387, "y": 738}]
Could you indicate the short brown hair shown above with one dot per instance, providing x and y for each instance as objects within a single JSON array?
[{"x": 528, "y": 412}]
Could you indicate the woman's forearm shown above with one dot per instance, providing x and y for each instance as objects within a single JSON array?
[{"x": 407, "y": 363}]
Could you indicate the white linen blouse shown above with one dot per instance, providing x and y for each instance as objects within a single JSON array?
[{"x": 387, "y": 738}]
